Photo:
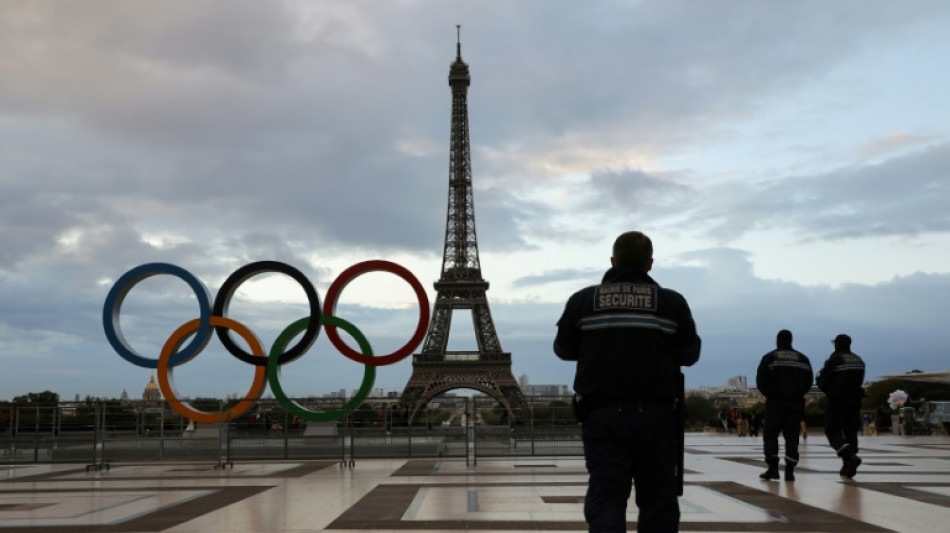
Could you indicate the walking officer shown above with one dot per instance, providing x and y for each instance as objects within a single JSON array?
[
  {"x": 841, "y": 379},
  {"x": 629, "y": 337},
  {"x": 784, "y": 377}
]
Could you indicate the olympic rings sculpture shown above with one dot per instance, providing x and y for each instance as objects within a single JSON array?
[{"x": 212, "y": 317}]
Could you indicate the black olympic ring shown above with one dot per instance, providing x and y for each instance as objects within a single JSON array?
[{"x": 229, "y": 287}]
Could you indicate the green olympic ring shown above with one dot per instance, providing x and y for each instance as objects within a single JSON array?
[{"x": 273, "y": 370}]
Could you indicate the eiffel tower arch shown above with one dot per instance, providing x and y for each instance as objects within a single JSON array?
[{"x": 436, "y": 370}]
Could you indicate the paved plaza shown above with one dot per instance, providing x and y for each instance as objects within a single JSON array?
[{"x": 903, "y": 485}]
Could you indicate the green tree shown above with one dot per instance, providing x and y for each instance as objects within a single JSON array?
[
  {"x": 42, "y": 398},
  {"x": 700, "y": 412}
]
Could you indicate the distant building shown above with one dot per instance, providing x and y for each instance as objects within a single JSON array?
[
  {"x": 738, "y": 382},
  {"x": 735, "y": 392},
  {"x": 152, "y": 395},
  {"x": 546, "y": 390}
]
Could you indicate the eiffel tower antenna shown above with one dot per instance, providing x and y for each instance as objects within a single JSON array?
[{"x": 437, "y": 370}]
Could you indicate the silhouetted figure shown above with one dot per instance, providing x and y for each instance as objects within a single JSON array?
[
  {"x": 742, "y": 426},
  {"x": 734, "y": 420},
  {"x": 629, "y": 337},
  {"x": 783, "y": 377},
  {"x": 841, "y": 379}
]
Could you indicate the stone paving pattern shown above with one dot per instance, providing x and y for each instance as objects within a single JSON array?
[{"x": 903, "y": 485}]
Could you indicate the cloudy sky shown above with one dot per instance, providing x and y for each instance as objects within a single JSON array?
[{"x": 789, "y": 161}]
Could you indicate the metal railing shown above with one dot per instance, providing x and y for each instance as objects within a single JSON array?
[{"x": 103, "y": 432}]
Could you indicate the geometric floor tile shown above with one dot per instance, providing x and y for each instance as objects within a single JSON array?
[
  {"x": 902, "y": 485},
  {"x": 107, "y": 510},
  {"x": 711, "y": 506}
]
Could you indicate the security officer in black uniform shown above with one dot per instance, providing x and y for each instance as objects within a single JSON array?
[
  {"x": 629, "y": 337},
  {"x": 784, "y": 377},
  {"x": 841, "y": 380}
]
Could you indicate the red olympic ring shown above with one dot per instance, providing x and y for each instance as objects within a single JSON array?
[
  {"x": 351, "y": 273},
  {"x": 166, "y": 381}
]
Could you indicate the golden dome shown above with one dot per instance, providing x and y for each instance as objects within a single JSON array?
[{"x": 152, "y": 393}]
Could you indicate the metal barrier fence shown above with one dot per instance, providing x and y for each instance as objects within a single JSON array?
[{"x": 103, "y": 432}]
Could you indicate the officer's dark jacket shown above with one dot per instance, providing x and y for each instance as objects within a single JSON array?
[
  {"x": 629, "y": 337},
  {"x": 784, "y": 374},
  {"x": 842, "y": 376}
]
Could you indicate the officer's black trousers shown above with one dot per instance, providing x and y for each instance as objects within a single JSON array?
[
  {"x": 631, "y": 443},
  {"x": 783, "y": 417},
  {"x": 842, "y": 422}
]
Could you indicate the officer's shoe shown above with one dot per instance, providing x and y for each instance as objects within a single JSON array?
[
  {"x": 771, "y": 473},
  {"x": 850, "y": 467},
  {"x": 789, "y": 473}
]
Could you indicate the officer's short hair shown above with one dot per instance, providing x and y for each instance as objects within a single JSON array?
[
  {"x": 784, "y": 338},
  {"x": 842, "y": 342},
  {"x": 633, "y": 249}
]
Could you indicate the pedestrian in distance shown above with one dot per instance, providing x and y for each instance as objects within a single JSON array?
[
  {"x": 629, "y": 337},
  {"x": 742, "y": 426},
  {"x": 842, "y": 379},
  {"x": 784, "y": 377},
  {"x": 734, "y": 420}
]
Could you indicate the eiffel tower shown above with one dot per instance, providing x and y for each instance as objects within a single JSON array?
[{"x": 436, "y": 370}]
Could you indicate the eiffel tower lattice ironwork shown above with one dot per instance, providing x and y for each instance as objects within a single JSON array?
[{"x": 436, "y": 369}]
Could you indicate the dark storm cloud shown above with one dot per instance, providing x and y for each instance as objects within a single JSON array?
[
  {"x": 739, "y": 314},
  {"x": 207, "y": 134},
  {"x": 902, "y": 196},
  {"x": 116, "y": 62},
  {"x": 502, "y": 219},
  {"x": 27, "y": 224},
  {"x": 667, "y": 72},
  {"x": 634, "y": 189},
  {"x": 225, "y": 105},
  {"x": 232, "y": 105}
]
